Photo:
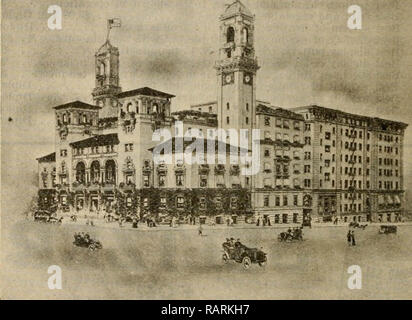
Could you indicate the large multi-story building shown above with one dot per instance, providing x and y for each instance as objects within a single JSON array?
[{"x": 314, "y": 161}]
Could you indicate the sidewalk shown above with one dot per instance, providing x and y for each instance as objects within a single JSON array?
[{"x": 184, "y": 227}]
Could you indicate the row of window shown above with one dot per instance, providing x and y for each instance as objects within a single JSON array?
[
  {"x": 388, "y": 185},
  {"x": 388, "y": 173},
  {"x": 388, "y": 138},
  {"x": 388, "y": 149},
  {"x": 203, "y": 181},
  {"x": 387, "y": 161},
  {"x": 282, "y": 123},
  {"x": 284, "y": 137},
  {"x": 93, "y": 150},
  {"x": 277, "y": 203}
]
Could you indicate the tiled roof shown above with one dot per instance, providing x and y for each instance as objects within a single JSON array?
[
  {"x": 235, "y": 8},
  {"x": 372, "y": 121},
  {"x": 146, "y": 91},
  {"x": 77, "y": 105},
  {"x": 49, "y": 158},
  {"x": 278, "y": 112},
  {"x": 100, "y": 140}
]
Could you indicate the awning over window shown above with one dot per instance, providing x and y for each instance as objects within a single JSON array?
[
  {"x": 381, "y": 199},
  {"x": 397, "y": 199},
  {"x": 279, "y": 182},
  {"x": 389, "y": 199}
]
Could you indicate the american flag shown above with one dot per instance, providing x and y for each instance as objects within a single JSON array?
[{"x": 114, "y": 23}]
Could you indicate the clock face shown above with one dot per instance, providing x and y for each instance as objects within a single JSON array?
[
  {"x": 248, "y": 79},
  {"x": 228, "y": 78}
]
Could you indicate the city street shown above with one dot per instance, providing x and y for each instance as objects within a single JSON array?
[{"x": 179, "y": 264}]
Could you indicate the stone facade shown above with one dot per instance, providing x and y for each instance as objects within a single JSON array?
[{"x": 314, "y": 161}]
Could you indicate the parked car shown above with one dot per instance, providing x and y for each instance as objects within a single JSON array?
[
  {"x": 42, "y": 215},
  {"x": 357, "y": 225},
  {"x": 239, "y": 253},
  {"x": 388, "y": 229},
  {"x": 47, "y": 217}
]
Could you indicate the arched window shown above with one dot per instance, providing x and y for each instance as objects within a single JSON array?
[
  {"x": 102, "y": 69},
  {"x": 84, "y": 118},
  {"x": 155, "y": 108},
  {"x": 230, "y": 34},
  {"x": 245, "y": 35},
  {"x": 95, "y": 171},
  {"x": 110, "y": 171},
  {"x": 64, "y": 118},
  {"x": 80, "y": 172},
  {"x": 129, "y": 107}
]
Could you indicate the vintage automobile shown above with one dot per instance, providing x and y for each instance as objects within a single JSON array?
[
  {"x": 388, "y": 229},
  {"x": 291, "y": 235},
  {"x": 357, "y": 225},
  {"x": 47, "y": 217},
  {"x": 84, "y": 240},
  {"x": 241, "y": 254}
]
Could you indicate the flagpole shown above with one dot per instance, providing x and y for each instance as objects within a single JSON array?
[{"x": 108, "y": 30}]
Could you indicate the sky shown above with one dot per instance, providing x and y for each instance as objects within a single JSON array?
[{"x": 307, "y": 55}]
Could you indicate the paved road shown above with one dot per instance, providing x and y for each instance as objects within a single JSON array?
[{"x": 182, "y": 265}]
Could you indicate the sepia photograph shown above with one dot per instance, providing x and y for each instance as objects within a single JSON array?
[{"x": 206, "y": 150}]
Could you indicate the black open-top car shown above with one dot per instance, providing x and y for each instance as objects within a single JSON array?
[
  {"x": 388, "y": 229},
  {"x": 241, "y": 254},
  {"x": 85, "y": 241}
]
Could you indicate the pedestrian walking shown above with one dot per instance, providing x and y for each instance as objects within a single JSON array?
[
  {"x": 200, "y": 229},
  {"x": 349, "y": 236},
  {"x": 353, "y": 238}
]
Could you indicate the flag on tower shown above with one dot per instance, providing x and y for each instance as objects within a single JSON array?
[{"x": 114, "y": 23}]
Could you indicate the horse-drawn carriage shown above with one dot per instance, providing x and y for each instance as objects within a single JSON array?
[
  {"x": 387, "y": 229},
  {"x": 84, "y": 240},
  {"x": 238, "y": 252}
]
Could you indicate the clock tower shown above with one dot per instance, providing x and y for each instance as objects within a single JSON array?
[
  {"x": 236, "y": 69},
  {"x": 107, "y": 80}
]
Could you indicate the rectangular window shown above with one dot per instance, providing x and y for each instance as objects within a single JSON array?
[
  {"x": 146, "y": 181},
  {"x": 180, "y": 202},
  {"x": 203, "y": 181},
  {"x": 267, "y": 121},
  {"x": 295, "y": 200},
  {"x": 202, "y": 203},
  {"x": 285, "y": 200},
  {"x": 179, "y": 180},
  {"x": 162, "y": 181},
  {"x": 266, "y": 201}
]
